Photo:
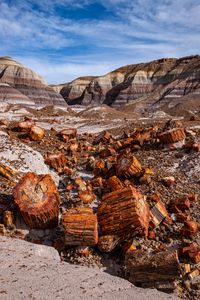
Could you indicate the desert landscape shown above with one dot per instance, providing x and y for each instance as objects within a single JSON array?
[
  {"x": 100, "y": 149},
  {"x": 100, "y": 183}
]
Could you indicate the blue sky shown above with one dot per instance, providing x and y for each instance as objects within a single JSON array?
[{"x": 65, "y": 39}]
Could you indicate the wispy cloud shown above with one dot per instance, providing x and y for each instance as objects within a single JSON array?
[{"x": 61, "y": 48}]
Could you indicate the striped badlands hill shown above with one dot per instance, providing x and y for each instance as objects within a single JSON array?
[
  {"x": 166, "y": 84},
  {"x": 20, "y": 85}
]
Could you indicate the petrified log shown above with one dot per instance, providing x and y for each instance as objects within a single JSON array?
[
  {"x": 172, "y": 136},
  {"x": 115, "y": 183},
  {"x": 122, "y": 144},
  {"x": 37, "y": 199},
  {"x": 128, "y": 166},
  {"x": 80, "y": 225},
  {"x": 151, "y": 270},
  {"x": 7, "y": 172},
  {"x": 57, "y": 161},
  {"x": 123, "y": 213},
  {"x": 24, "y": 125},
  {"x": 68, "y": 133},
  {"x": 36, "y": 133}
]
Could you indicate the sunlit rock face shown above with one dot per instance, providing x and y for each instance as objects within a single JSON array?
[
  {"x": 18, "y": 83},
  {"x": 166, "y": 84}
]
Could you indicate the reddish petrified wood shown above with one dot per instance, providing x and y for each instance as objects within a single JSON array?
[
  {"x": 86, "y": 196},
  {"x": 172, "y": 136},
  {"x": 56, "y": 161},
  {"x": 190, "y": 228},
  {"x": 36, "y": 133},
  {"x": 192, "y": 251},
  {"x": 122, "y": 144},
  {"x": 115, "y": 183},
  {"x": 25, "y": 124},
  {"x": 68, "y": 133},
  {"x": 7, "y": 172},
  {"x": 37, "y": 199},
  {"x": 80, "y": 225},
  {"x": 107, "y": 152},
  {"x": 152, "y": 269},
  {"x": 128, "y": 166},
  {"x": 123, "y": 213}
]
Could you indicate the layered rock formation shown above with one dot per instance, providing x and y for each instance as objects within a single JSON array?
[
  {"x": 73, "y": 91},
  {"x": 20, "y": 85},
  {"x": 166, "y": 84}
]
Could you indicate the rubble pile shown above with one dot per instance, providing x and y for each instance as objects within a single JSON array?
[{"x": 123, "y": 197}]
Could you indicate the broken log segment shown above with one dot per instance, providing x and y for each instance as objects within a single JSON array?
[
  {"x": 7, "y": 172},
  {"x": 128, "y": 166},
  {"x": 124, "y": 213},
  {"x": 36, "y": 133},
  {"x": 115, "y": 183},
  {"x": 38, "y": 201},
  {"x": 80, "y": 225},
  {"x": 68, "y": 133},
  {"x": 57, "y": 161},
  {"x": 150, "y": 270},
  {"x": 172, "y": 136}
]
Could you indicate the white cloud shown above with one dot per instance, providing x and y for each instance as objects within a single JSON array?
[{"x": 140, "y": 31}]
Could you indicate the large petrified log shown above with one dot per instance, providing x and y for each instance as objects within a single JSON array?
[
  {"x": 37, "y": 199},
  {"x": 128, "y": 166},
  {"x": 124, "y": 213},
  {"x": 7, "y": 172},
  {"x": 172, "y": 136},
  {"x": 80, "y": 225},
  {"x": 152, "y": 269}
]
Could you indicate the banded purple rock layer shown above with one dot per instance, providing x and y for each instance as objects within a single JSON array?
[
  {"x": 23, "y": 84},
  {"x": 163, "y": 84}
]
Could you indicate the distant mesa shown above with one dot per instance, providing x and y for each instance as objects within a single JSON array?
[
  {"x": 168, "y": 84},
  {"x": 20, "y": 85}
]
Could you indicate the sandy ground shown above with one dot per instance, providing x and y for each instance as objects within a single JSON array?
[{"x": 28, "y": 271}]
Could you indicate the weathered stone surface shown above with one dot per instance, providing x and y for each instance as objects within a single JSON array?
[
  {"x": 20, "y": 157},
  {"x": 25, "y": 268},
  {"x": 20, "y": 85},
  {"x": 38, "y": 201},
  {"x": 80, "y": 226}
]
